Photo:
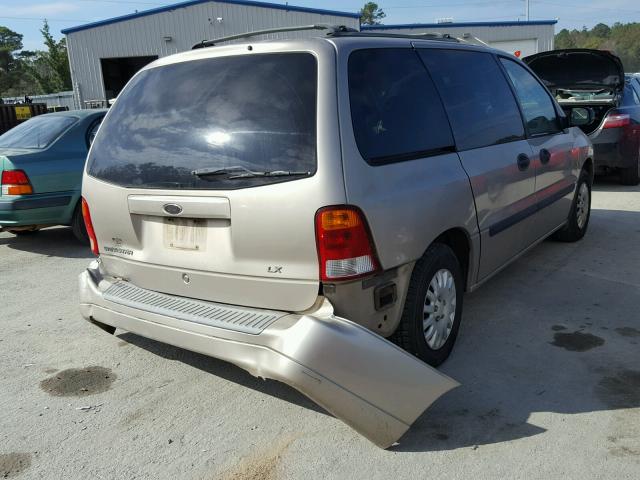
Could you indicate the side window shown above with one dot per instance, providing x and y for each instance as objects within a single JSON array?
[
  {"x": 630, "y": 96},
  {"x": 481, "y": 107},
  {"x": 396, "y": 111},
  {"x": 537, "y": 106},
  {"x": 92, "y": 130}
]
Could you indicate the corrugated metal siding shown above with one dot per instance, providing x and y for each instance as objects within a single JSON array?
[
  {"x": 544, "y": 34},
  {"x": 186, "y": 26}
]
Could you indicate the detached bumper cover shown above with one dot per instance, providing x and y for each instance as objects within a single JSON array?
[{"x": 361, "y": 378}]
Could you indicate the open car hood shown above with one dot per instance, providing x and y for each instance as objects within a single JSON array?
[{"x": 578, "y": 69}]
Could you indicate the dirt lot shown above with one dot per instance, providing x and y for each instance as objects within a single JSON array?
[{"x": 548, "y": 357}]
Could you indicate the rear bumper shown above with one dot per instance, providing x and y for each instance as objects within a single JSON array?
[
  {"x": 613, "y": 148},
  {"x": 37, "y": 209},
  {"x": 362, "y": 379}
]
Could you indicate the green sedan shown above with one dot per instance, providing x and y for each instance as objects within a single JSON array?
[{"x": 41, "y": 164}]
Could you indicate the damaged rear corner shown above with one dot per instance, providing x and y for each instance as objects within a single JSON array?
[{"x": 356, "y": 375}]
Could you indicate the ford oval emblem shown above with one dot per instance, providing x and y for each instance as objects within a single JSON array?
[{"x": 172, "y": 209}]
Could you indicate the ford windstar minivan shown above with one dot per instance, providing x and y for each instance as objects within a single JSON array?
[{"x": 290, "y": 206}]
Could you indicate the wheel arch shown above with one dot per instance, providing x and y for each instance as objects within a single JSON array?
[
  {"x": 589, "y": 168},
  {"x": 459, "y": 240}
]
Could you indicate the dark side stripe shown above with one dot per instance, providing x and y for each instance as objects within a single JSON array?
[
  {"x": 508, "y": 222},
  {"x": 29, "y": 203}
]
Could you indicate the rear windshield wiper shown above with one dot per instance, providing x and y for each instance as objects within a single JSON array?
[
  {"x": 239, "y": 171},
  {"x": 212, "y": 172},
  {"x": 274, "y": 173}
]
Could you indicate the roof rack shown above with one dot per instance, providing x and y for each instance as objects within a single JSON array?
[
  {"x": 343, "y": 31},
  {"x": 332, "y": 29},
  {"x": 414, "y": 36}
]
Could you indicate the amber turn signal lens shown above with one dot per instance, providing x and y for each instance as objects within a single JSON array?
[
  {"x": 339, "y": 219},
  {"x": 17, "y": 190}
]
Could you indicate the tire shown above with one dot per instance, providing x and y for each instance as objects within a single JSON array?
[
  {"x": 411, "y": 334},
  {"x": 577, "y": 223},
  {"x": 631, "y": 175},
  {"x": 78, "y": 227}
]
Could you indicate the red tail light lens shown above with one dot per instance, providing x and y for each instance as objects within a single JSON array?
[
  {"x": 616, "y": 120},
  {"x": 345, "y": 248},
  {"x": 86, "y": 214},
  {"x": 15, "y": 182}
]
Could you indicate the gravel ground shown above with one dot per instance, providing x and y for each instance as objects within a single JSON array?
[{"x": 548, "y": 357}]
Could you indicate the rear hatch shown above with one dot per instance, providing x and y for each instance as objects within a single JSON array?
[
  {"x": 25, "y": 146},
  {"x": 206, "y": 174}
]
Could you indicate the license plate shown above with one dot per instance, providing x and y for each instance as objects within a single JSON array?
[{"x": 185, "y": 234}]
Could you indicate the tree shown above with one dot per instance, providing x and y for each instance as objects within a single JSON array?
[
  {"x": 601, "y": 30},
  {"x": 10, "y": 42},
  {"x": 49, "y": 69},
  {"x": 621, "y": 39},
  {"x": 371, "y": 14}
]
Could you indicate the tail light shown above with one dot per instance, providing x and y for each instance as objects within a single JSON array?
[
  {"x": 616, "y": 120},
  {"x": 86, "y": 214},
  {"x": 15, "y": 182},
  {"x": 345, "y": 248}
]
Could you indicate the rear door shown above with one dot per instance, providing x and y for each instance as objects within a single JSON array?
[
  {"x": 491, "y": 142},
  {"x": 551, "y": 146},
  {"x": 205, "y": 176}
]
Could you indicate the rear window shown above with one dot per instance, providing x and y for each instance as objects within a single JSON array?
[
  {"x": 252, "y": 116},
  {"x": 37, "y": 132},
  {"x": 395, "y": 109}
]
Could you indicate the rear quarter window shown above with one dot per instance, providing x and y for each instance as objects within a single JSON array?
[
  {"x": 396, "y": 111},
  {"x": 481, "y": 107}
]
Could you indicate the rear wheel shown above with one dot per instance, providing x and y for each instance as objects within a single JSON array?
[
  {"x": 433, "y": 307},
  {"x": 78, "y": 227},
  {"x": 580, "y": 213}
]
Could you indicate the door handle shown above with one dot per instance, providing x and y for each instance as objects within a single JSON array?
[
  {"x": 523, "y": 162},
  {"x": 545, "y": 156}
]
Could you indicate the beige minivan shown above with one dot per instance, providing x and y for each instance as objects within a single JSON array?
[{"x": 291, "y": 206}]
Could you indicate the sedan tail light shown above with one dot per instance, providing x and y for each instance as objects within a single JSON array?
[
  {"x": 15, "y": 182},
  {"x": 345, "y": 247},
  {"x": 616, "y": 120},
  {"x": 93, "y": 240}
]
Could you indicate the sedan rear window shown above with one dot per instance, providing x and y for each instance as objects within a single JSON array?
[
  {"x": 37, "y": 132},
  {"x": 219, "y": 123}
]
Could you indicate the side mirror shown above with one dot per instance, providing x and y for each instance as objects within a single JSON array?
[{"x": 581, "y": 116}]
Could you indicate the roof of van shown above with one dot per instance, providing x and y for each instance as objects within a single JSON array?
[{"x": 338, "y": 41}]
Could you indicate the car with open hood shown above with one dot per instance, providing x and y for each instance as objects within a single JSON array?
[
  {"x": 291, "y": 206},
  {"x": 595, "y": 79}
]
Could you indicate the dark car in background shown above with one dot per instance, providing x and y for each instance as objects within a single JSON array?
[{"x": 595, "y": 79}]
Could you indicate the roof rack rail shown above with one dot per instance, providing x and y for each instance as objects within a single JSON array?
[
  {"x": 332, "y": 29},
  {"x": 414, "y": 36}
]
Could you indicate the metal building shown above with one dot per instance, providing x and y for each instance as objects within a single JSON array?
[
  {"x": 526, "y": 37},
  {"x": 104, "y": 55}
]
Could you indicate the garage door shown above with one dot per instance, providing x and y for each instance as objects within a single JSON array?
[{"x": 525, "y": 47}]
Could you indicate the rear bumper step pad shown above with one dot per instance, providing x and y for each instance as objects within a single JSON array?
[{"x": 244, "y": 320}]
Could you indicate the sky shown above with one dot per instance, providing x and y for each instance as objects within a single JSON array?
[{"x": 26, "y": 16}]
